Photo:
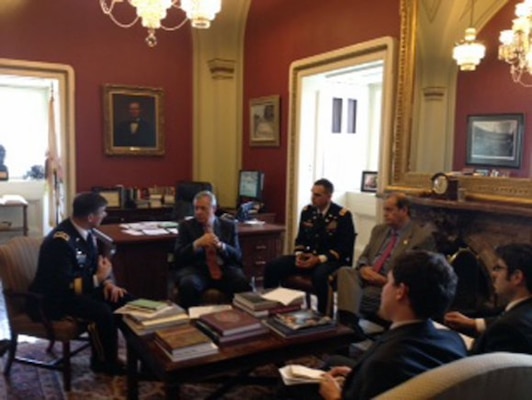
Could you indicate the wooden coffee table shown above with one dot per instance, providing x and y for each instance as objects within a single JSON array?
[{"x": 231, "y": 358}]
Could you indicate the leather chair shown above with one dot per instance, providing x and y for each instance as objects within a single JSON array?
[
  {"x": 184, "y": 196},
  {"x": 491, "y": 376},
  {"x": 474, "y": 293},
  {"x": 18, "y": 265}
]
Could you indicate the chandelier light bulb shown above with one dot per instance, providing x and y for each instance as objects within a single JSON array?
[
  {"x": 516, "y": 44},
  {"x": 151, "y": 13}
]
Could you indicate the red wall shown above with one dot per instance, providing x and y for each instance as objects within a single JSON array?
[
  {"x": 275, "y": 38},
  {"x": 490, "y": 90},
  {"x": 77, "y": 33}
]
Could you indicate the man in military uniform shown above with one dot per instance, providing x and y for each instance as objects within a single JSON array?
[
  {"x": 324, "y": 243},
  {"x": 76, "y": 281}
]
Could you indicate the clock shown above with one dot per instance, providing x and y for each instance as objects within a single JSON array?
[{"x": 444, "y": 186}]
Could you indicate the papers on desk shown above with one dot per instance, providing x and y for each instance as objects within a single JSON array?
[
  {"x": 150, "y": 228},
  {"x": 253, "y": 222}
]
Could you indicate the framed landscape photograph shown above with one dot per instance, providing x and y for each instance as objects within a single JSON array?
[
  {"x": 369, "y": 181},
  {"x": 495, "y": 140},
  {"x": 264, "y": 121},
  {"x": 134, "y": 121}
]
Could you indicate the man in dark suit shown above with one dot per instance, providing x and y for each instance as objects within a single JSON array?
[
  {"x": 324, "y": 243},
  {"x": 207, "y": 254},
  {"x": 135, "y": 131},
  {"x": 420, "y": 286},
  {"x": 512, "y": 330},
  {"x": 359, "y": 289},
  {"x": 76, "y": 281}
]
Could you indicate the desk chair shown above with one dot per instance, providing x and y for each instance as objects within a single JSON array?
[
  {"x": 18, "y": 266},
  {"x": 184, "y": 197}
]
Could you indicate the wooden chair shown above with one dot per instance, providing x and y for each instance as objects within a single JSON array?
[{"x": 18, "y": 265}]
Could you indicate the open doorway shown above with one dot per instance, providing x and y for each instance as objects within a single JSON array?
[
  {"x": 26, "y": 89},
  {"x": 340, "y": 125}
]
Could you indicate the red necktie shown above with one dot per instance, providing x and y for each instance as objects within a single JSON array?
[
  {"x": 386, "y": 253},
  {"x": 212, "y": 259}
]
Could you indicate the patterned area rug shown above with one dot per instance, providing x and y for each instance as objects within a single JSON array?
[{"x": 31, "y": 383}]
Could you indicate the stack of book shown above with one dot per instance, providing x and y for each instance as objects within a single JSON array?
[
  {"x": 184, "y": 342},
  {"x": 300, "y": 323},
  {"x": 146, "y": 316},
  {"x": 255, "y": 304},
  {"x": 230, "y": 326}
]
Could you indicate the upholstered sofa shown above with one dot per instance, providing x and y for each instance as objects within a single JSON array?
[{"x": 492, "y": 376}]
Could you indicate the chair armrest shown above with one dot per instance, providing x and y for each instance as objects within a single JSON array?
[{"x": 37, "y": 300}]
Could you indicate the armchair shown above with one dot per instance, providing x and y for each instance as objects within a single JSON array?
[
  {"x": 491, "y": 376},
  {"x": 18, "y": 265}
]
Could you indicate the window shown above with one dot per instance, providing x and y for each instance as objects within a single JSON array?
[{"x": 24, "y": 128}]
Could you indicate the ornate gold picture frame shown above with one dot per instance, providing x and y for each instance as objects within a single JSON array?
[{"x": 134, "y": 121}]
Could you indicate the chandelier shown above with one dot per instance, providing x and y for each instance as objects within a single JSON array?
[
  {"x": 152, "y": 12},
  {"x": 468, "y": 52},
  {"x": 515, "y": 47}
]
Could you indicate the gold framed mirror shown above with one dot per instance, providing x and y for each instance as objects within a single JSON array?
[{"x": 513, "y": 191}]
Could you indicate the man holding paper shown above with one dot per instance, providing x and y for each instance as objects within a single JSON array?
[{"x": 420, "y": 286}]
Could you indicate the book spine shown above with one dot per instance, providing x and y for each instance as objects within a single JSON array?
[
  {"x": 215, "y": 336},
  {"x": 284, "y": 309}
]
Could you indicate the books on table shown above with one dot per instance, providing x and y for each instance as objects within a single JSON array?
[
  {"x": 143, "y": 322},
  {"x": 184, "y": 342},
  {"x": 300, "y": 323},
  {"x": 229, "y": 322},
  {"x": 235, "y": 337},
  {"x": 147, "y": 305},
  {"x": 230, "y": 326},
  {"x": 255, "y": 304}
]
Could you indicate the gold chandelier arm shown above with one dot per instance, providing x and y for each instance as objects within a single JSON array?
[
  {"x": 108, "y": 10},
  {"x": 174, "y": 28}
]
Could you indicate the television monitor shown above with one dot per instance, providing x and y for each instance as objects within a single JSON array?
[{"x": 250, "y": 184}]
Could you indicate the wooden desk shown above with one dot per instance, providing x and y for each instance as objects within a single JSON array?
[
  {"x": 141, "y": 265},
  {"x": 121, "y": 215},
  {"x": 236, "y": 357}
]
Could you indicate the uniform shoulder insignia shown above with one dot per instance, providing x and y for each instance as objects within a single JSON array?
[
  {"x": 343, "y": 211},
  {"x": 62, "y": 235}
]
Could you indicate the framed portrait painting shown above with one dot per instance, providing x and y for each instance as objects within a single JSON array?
[
  {"x": 264, "y": 121},
  {"x": 134, "y": 124},
  {"x": 495, "y": 140}
]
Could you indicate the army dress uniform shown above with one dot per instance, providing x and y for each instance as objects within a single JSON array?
[
  {"x": 66, "y": 278},
  {"x": 331, "y": 236}
]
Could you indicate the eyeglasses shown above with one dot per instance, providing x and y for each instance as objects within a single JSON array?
[{"x": 498, "y": 268}]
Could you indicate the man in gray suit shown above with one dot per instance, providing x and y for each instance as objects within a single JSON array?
[{"x": 359, "y": 288}]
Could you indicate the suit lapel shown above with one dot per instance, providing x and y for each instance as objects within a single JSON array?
[{"x": 404, "y": 240}]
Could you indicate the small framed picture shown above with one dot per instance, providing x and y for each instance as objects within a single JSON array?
[
  {"x": 264, "y": 121},
  {"x": 112, "y": 195},
  {"x": 369, "y": 181},
  {"x": 495, "y": 140},
  {"x": 134, "y": 123}
]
